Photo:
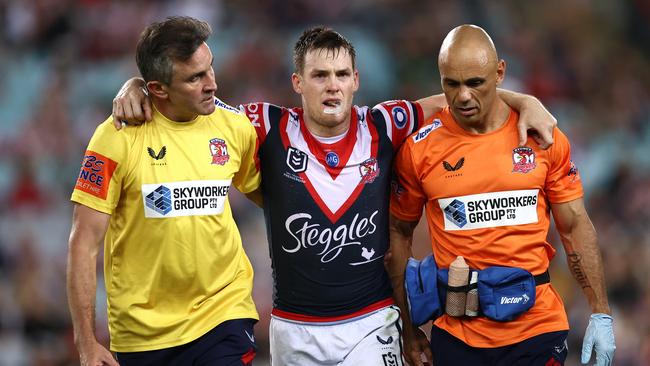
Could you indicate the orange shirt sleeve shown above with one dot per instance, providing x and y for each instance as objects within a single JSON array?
[
  {"x": 407, "y": 196},
  {"x": 563, "y": 182}
]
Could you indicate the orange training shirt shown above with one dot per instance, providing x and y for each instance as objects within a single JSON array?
[{"x": 488, "y": 200}]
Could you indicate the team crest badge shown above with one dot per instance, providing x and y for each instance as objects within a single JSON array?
[
  {"x": 369, "y": 170},
  {"x": 523, "y": 159},
  {"x": 219, "y": 151}
]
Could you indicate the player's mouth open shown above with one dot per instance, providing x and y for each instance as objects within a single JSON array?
[{"x": 333, "y": 106}]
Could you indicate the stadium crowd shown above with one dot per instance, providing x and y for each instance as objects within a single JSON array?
[{"x": 62, "y": 61}]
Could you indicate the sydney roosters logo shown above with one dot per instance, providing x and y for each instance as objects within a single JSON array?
[
  {"x": 369, "y": 170},
  {"x": 219, "y": 151},
  {"x": 523, "y": 159}
]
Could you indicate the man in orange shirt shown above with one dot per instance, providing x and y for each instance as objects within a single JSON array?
[{"x": 489, "y": 200}]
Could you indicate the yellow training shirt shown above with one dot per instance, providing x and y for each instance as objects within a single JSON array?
[{"x": 174, "y": 263}]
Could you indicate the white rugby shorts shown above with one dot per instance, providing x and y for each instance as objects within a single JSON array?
[{"x": 373, "y": 339}]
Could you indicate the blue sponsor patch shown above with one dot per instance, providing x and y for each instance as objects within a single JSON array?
[
  {"x": 455, "y": 213},
  {"x": 160, "y": 200},
  {"x": 332, "y": 159},
  {"x": 399, "y": 117}
]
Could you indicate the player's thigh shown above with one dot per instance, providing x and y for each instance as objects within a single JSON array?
[
  {"x": 382, "y": 346},
  {"x": 231, "y": 343}
]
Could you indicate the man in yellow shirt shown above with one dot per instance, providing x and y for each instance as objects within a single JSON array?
[{"x": 177, "y": 279}]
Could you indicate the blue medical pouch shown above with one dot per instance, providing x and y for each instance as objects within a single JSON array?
[
  {"x": 505, "y": 292},
  {"x": 420, "y": 280}
]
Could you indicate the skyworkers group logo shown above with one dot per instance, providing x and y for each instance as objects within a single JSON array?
[
  {"x": 487, "y": 210},
  {"x": 189, "y": 198},
  {"x": 160, "y": 200}
]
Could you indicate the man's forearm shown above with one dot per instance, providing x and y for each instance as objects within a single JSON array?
[
  {"x": 586, "y": 266},
  {"x": 516, "y": 100},
  {"x": 400, "y": 251},
  {"x": 583, "y": 255},
  {"x": 81, "y": 287}
]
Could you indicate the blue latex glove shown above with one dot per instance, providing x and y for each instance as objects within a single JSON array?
[{"x": 600, "y": 337}]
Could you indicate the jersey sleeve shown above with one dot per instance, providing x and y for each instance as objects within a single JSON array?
[
  {"x": 262, "y": 116},
  {"x": 407, "y": 197},
  {"x": 248, "y": 179},
  {"x": 563, "y": 182},
  {"x": 401, "y": 118},
  {"x": 99, "y": 183}
]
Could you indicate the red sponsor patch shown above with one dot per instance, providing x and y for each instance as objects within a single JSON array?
[
  {"x": 95, "y": 175},
  {"x": 247, "y": 358}
]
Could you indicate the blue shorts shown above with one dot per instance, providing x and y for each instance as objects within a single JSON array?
[
  {"x": 230, "y": 343},
  {"x": 548, "y": 349}
]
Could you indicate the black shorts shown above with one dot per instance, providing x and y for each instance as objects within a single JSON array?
[
  {"x": 231, "y": 343},
  {"x": 548, "y": 349}
]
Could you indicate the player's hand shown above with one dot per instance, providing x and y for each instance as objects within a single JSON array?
[
  {"x": 131, "y": 104},
  {"x": 94, "y": 354},
  {"x": 416, "y": 343},
  {"x": 599, "y": 337},
  {"x": 536, "y": 122}
]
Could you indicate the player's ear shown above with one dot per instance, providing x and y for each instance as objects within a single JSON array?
[
  {"x": 501, "y": 71},
  {"x": 355, "y": 74},
  {"x": 157, "y": 89},
  {"x": 296, "y": 81}
]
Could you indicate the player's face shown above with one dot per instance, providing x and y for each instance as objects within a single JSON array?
[
  {"x": 470, "y": 84},
  {"x": 191, "y": 91},
  {"x": 327, "y": 84}
]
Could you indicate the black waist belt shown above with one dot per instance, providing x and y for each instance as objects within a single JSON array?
[{"x": 540, "y": 279}]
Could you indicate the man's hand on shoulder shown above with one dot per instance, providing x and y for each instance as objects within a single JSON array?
[{"x": 131, "y": 104}]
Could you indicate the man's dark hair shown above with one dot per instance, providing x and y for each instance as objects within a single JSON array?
[
  {"x": 320, "y": 38},
  {"x": 162, "y": 43}
]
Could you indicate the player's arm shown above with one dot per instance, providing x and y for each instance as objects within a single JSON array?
[
  {"x": 401, "y": 241},
  {"x": 432, "y": 105},
  {"x": 533, "y": 118},
  {"x": 256, "y": 197},
  {"x": 132, "y": 104},
  {"x": 86, "y": 237},
  {"x": 585, "y": 263}
]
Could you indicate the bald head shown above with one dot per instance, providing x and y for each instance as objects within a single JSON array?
[
  {"x": 470, "y": 73},
  {"x": 468, "y": 42}
]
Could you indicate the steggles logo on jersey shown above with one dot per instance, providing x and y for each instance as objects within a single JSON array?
[
  {"x": 161, "y": 154},
  {"x": 369, "y": 170},
  {"x": 523, "y": 159},
  {"x": 296, "y": 160},
  {"x": 331, "y": 241},
  {"x": 458, "y": 165},
  {"x": 219, "y": 151},
  {"x": 186, "y": 198},
  {"x": 488, "y": 210}
]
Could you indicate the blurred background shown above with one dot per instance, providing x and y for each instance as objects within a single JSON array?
[{"x": 62, "y": 61}]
